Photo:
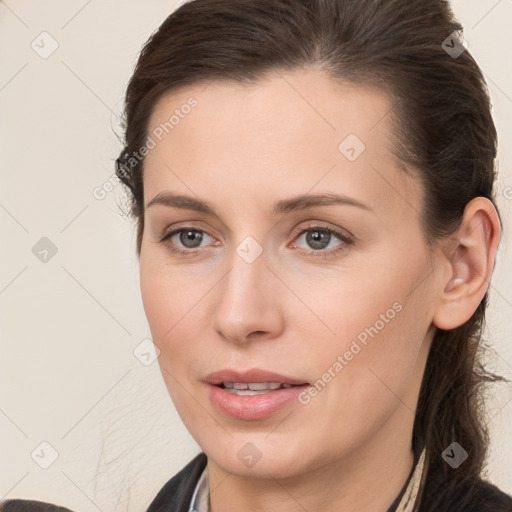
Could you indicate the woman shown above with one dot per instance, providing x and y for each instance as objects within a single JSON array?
[
  {"x": 312, "y": 182},
  {"x": 243, "y": 121}
]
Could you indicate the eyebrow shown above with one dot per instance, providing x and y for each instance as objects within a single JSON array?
[{"x": 298, "y": 203}]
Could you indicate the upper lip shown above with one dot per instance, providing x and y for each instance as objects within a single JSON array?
[{"x": 254, "y": 375}]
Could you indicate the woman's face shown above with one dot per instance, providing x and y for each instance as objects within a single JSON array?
[{"x": 257, "y": 283}]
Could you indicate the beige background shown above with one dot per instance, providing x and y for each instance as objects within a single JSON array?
[{"x": 69, "y": 326}]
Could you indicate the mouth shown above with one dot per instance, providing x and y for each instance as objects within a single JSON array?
[
  {"x": 253, "y": 394},
  {"x": 253, "y": 388}
]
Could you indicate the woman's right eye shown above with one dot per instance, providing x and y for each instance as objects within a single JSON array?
[{"x": 188, "y": 237}]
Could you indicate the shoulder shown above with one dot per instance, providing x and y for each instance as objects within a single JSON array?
[
  {"x": 490, "y": 497},
  {"x": 176, "y": 494},
  {"x": 463, "y": 495},
  {"x": 22, "y": 505}
]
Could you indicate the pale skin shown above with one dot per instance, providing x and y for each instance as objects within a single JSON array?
[{"x": 242, "y": 149}]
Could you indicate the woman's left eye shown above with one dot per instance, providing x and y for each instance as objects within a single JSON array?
[{"x": 318, "y": 237}]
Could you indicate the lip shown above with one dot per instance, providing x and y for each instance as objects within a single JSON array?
[
  {"x": 253, "y": 375},
  {"x": 252, "y": 407}
]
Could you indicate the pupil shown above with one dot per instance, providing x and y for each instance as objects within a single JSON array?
[
  {"x": 315, "y": 237},
  {"x": 190, "y": 236}
]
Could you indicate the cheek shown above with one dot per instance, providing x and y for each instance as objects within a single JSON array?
[
  {"x": 166, "y": 310},
  {"x": 155, "y": 298},
  {"x": 163, "y": 292},
  {"x": 380, "y": 331},
  {"x": 385, "y": 296},
  {"x": 176, "y": 313},
  {"x": 378, "y": 314},
  {"x": 164, "y": 300},
  {"x": 356, "y": 309}
]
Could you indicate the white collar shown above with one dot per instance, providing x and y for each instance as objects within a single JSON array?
[{"x": 200, "y": 498}]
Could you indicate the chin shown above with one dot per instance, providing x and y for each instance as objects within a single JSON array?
[{"x": 257, "y": 456}]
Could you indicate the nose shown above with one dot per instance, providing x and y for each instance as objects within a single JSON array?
[{"x": 248, "y": 305}]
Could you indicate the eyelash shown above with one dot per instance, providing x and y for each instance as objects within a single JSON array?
[{"x": 347, "y": 241}]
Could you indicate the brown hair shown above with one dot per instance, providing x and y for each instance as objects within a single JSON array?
[{"x": 443, "y": 131}]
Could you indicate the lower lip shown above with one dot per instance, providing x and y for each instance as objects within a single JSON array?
[{"x": 253, "y": 407}]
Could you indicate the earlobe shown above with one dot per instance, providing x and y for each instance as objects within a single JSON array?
[{"x": 469, "y": 264}]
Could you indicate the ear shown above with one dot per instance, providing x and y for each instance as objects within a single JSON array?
[{"x": 469, "y": 261}]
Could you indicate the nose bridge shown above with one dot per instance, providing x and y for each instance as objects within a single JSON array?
[
  {"x": 246, "y": 302},
  {"x": 243, "y": 284}
]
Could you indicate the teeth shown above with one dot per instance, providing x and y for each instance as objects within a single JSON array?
[
  {"x": 247, "y": 392},
  {"x": 253, "y": 388},
  {"x": 258, "y": 386}
]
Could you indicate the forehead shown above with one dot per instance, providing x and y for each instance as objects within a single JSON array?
[
  {"x": 290, "y": 132},
  {"x": 295, "y": 103}
]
